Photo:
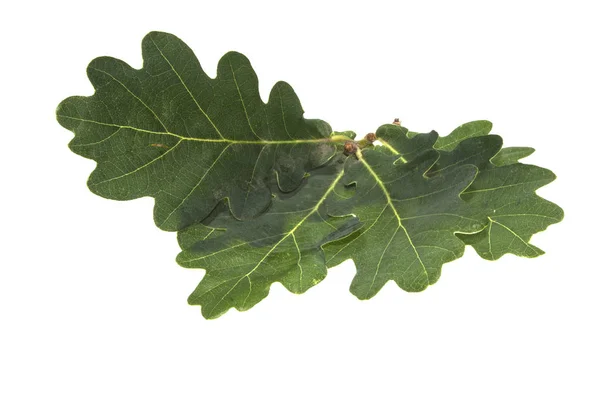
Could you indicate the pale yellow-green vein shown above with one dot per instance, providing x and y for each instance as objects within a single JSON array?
[
  {"x": 188, "y": 90},
  {"x": 389, "y": 201},
  {"x": 287, "y": 235},
  {"x": 332, "y": 139}
]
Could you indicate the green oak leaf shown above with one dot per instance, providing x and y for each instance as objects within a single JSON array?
[
  {"x": 259, "y": 194},
  {"x": 399, "y": 141},
  {"x": 243, "y": 258},
  {"x": 170, "y": 131},
  {"x": 410, "y": 220},
  {"x": 514, "y": 211},
  {"x": 475, "y": 151},
  {"x": 465, "y": 131},
  {"x": 506, "y": 190},
  {"x": 511, "y": 155}
]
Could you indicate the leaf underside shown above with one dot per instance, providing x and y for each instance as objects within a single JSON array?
[
  {"x": 283, "y": 244},
  {"x": 258, "y": 194},
  {"x": 171, "y": 132}
]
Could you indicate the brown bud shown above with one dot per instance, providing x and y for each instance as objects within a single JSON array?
[
  {"x": 396, "y": 121},
  {"x": 371, "y": 137},
  {"x": 350, "y": 147}
]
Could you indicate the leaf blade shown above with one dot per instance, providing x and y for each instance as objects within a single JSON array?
[
  {"x": 471, "y": 144},
  {"x": 171, "y": 132},
  {"x": 465, "y": 131},
  {"x": 514, "y": 211},
  {"x": 282, "y": 245},
  {"x": 402, "y": 211},
  {"x": 511, "y": 155}
]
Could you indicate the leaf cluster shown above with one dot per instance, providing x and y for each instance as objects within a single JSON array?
[{"x": 258, "y": 194}]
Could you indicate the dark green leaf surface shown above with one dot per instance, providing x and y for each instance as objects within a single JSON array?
[
  {"x": 476, "y": 151},
  {"x": 282, "y": 245},
  {"x": 171, "y": 132},
  {"x": 399, "y": 141},
  {"x": 415, "y": 204},
  {"x": 511, "y": 155},
  {"x": 505, "y": 193},
  {"x": 514, "y": 211},
  {"x": 409, "y": 220},
  {"x": 465, "y": 131},
  {"x": 258, "y": 194}
]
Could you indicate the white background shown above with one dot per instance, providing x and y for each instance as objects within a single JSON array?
[{"x": 93, "y": 305}]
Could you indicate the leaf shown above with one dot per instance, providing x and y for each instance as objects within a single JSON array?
[
  {"x": 259, "y": 195},
  {"x": 511, "y": 155},
  {"x": 413, "y": 203},
  {"x": 476, "y": 151},
  {"x": 282, "y": 245},
  {"x": 507, "y": 192},
  {"x": 409, "y": 220},
  {"x": 513, "y": 210},
  {"x": 398, "y": 140},
  {"x": 171, "y": 132},
  {"x": 465, "y": 131}
]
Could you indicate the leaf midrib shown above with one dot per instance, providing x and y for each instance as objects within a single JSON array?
[
  {"x": 260, "y": 141},
  {"x": 287, "y": 235},
  {"x": 228, "y": 141},
  {"x": 491, "y": 221},
  {"x": 390, "y": 203}
]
